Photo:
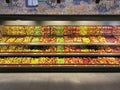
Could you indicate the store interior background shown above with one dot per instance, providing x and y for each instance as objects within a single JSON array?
[{"x": 59, "y": 81}]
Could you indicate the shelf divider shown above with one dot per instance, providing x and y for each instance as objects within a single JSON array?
[
  {"x": 102, "y": 44},
  {"x": 60, "y": 54}
]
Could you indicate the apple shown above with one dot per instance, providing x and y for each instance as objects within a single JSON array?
[
  {"x": 86, "y": 60},
  {"x": 60, "y": 60},
  {"x": 60, "y": 39},
  {"x": 60, "y": 48},
  {"x": 60, "y": 30}
]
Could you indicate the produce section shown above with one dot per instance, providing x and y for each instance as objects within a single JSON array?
[
  {"x": 60, "y": 61},
  {"x": 60, "y": 30},
  {"x": 66, "y": 39},
  {"x": 60, "y": 45},
  {"x": 59, "y": 49}
]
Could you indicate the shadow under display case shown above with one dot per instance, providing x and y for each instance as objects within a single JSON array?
[{"x": 60, "y": 45}]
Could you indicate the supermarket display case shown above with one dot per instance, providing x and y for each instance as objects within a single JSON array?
[{"x": 59, "y": 43}]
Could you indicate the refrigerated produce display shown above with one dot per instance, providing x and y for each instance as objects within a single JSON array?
[{"x": 59, "y": 46}]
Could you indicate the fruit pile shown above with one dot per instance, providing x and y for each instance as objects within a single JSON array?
[
  {"x": 60, "y": 49},
  {"x": 21, "y": 30},
  {"x": 66, "y": 34},
  {"x": 72, "y": 49},
  {"x": 35, "y": 39},
  {"x": 61, "y": 60},
  {"x": 61, "y": 30},
  {"x": 47, "y": 39},
  {"x": 65, "y": 39},
  {"x": 27, "y": 39},
  {"x": 10, "y": 40},
  {"x": 14, "y": 30},
  {"x": 60, "y": 34}
]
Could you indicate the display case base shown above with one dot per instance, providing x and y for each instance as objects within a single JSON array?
[{"x": 60, "y": 69}]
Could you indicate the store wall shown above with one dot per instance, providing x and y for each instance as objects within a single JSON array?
[{"x": 61, "y": 7}]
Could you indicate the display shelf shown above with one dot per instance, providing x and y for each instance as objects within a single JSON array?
[
  {"x": 110, "y": 44},
  {"x": 60, "y": 54},
  {"x": 27, "y": 51}
]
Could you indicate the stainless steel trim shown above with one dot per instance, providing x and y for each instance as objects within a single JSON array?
[
  {"x": 60, "y": 54},
  {"x": 102, "y": 44}
]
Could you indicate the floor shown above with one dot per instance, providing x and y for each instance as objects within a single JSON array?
[{"x": 59, "y": 81}]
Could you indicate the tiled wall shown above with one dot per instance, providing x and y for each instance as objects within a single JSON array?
[{"x": 67, "y": 7}]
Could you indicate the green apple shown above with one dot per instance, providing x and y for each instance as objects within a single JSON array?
[
  {"x": 60, "y": 48},
  {"x": 60, "y": 39},
  {"x": 60, "y": 30},
  {"x": 37, "y": 30},
  {"x": 60, "y": 60}
]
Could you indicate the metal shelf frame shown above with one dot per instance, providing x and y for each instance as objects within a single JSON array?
[
  {"x": 61, "y": 54},
  {"x": 31, "y": 43}
]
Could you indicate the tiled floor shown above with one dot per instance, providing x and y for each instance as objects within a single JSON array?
[{"x": 60, "y": 81}]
